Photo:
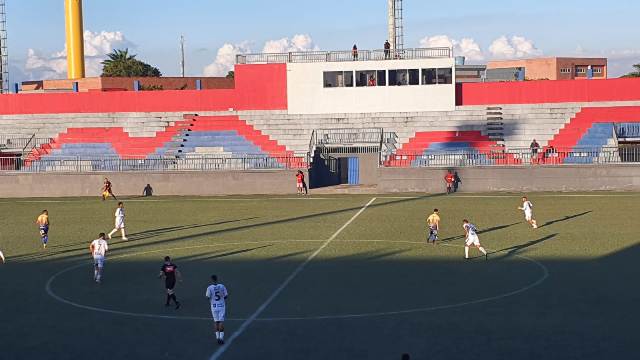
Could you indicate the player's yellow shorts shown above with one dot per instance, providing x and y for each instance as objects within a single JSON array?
[{"x": 105, "y": 194}]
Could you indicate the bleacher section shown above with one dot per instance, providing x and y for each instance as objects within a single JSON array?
[
  {"x": 190, "y": 137},
  {"x": 277, "y": 134}
]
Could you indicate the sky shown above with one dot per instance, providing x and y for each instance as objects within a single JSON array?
[{"x": 215, "y": 30}]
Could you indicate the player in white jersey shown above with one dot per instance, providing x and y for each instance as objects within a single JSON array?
[
  {"x": 527, "y": 207},
  {"x": 217, "y": 295},
  {"x": 99, "y": 248},
  {"x": 471, "y": 238},
  {"x": 119, "y": 222}
]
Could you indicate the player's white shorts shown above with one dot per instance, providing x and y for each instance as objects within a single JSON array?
[
  {"x": 120, "y": 223},
  {"x": 218, "y": 314},
  {"x": 528, "y": 215},
  {"x": 98, "y": 260},
  {"x": 472, "y": 240},
  {"x": 299, "y": 185}
]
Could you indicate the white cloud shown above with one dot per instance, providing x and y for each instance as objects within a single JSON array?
[
  {"x": 513, "y": 48},
  {"x": 300, "y": 42},
  {"x": 226, "y": 55},
  {"x": 54, "y": 66},
  {"x": 466, "y": 47},
  {"x": 225, "y": 59}
]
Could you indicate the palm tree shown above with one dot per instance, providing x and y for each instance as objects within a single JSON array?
[{"x": 121, "y": 63}]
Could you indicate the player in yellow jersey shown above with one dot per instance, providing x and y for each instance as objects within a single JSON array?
[
  {"x": 43, "y": 225},
  {"x": 107, "y": 191},
  {"x": 433, "y": 223}
]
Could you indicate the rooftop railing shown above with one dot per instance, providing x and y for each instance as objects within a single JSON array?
[{"x": 349, "y": 55}]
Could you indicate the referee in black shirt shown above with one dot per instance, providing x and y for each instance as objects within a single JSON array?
[{"x": 169, "y": 271}]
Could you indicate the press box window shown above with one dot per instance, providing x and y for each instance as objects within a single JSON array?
[
  {"x": 565, "y": 70},
  {"x": 437, "y": 76},
  {"x": 403, "y": 77},
  {"x": 445, "y": 76},
  {"x": 429, "y": 77},
  {"x": 366, "y": 78},
  {"x": 338, "y": 79}
]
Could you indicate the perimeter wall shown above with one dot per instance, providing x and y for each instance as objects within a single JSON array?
[
  {"x": 510, "y": 179},
  {"x": 278, "y": 182}
]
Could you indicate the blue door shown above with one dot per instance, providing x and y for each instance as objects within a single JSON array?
[{"x": 354, "y": 171}]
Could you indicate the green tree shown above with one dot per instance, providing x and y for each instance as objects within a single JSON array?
[
  {"x": 634, "y": 74},
  {"x": 122, "y": 64},
  {"x": 231, "y": 74}
]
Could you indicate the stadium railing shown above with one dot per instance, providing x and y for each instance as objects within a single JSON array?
[
  {"x": 81, "y": 164},
  {"x": 515, "y": 157},
  {"x": 347, "y": 55},
  {"x": 21, "y": 142}
]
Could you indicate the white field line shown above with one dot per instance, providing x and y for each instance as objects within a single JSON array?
[
  {"x": 221, "y": 350},
  {"x": 49, "y": 289}
]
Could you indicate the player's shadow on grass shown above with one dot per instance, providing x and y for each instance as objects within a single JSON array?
[
  {"x": 128, "y": 245},
  {"x": 200, "y": 257},
  {"x": 516, "y": 249},
  {"x": 480, "y": 232},
  {"x": 160, "y": 231},
  {"x": 57, "y": 250},
  {"x": 287, "y": 220},
  {"x": 566, "y": 218}
]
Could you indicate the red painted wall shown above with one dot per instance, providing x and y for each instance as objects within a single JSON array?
[
  {"x": 261, "y": 86},
  {"x": 258, "y": 87},
  {"x": 547, "y": 91}
]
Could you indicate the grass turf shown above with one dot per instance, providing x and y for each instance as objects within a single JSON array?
[{"x": 374, "y": 292}]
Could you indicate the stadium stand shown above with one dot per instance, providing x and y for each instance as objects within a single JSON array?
[{"x": 276, "y": 133}]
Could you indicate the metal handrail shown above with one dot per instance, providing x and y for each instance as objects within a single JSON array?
[
  {"x": 346, "y": 55},
  {"x": 121, "y": 163},
  {"x": 347, "y": 136},
  {"x": 514, "y": 157}
]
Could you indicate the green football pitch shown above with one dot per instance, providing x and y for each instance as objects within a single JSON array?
[{"x": 325, "y": 278}]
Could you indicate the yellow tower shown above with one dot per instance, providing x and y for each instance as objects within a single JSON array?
[{"x": 75, "y": 39}]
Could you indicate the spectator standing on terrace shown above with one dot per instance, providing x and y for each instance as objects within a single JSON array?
[
  {"x": 387, "y": 49},
  {"x": 535, "y": 147},
  {"x": 372, "y": 81},
  {"x": 449, "y": 179},
  {"x": 354, "y": 52}
]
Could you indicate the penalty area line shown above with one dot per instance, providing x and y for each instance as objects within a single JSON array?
[{"x": 221, "y": 350}]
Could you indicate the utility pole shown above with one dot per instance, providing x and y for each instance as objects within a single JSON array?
[{"x": 182, "y": 55}]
